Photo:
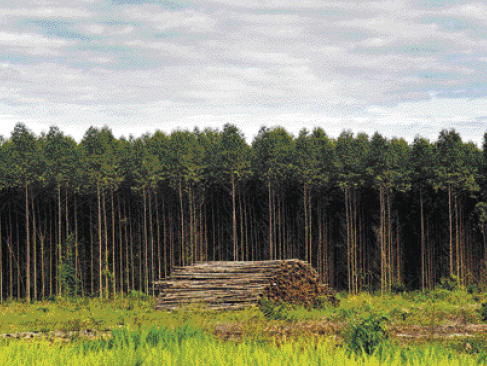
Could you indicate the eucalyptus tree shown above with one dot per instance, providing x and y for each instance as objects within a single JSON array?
[
  {"x": 352, "y": 154},
  {"x": 272, "y": 162},
  {"x": 101, "y": 150},
  {"x": 481, "y": 206},
  {"x": 471, "y": 265},
  {"x": 315, "y": 168},
  {"x": 377, "y": 168},
  {"x": 3, "y": 185},
  {"x": 157, "y": 146},
  {"x": 453, "y": 176},
  {"x": 210, "y": 140},
  {"x": 397, "y": 177},
  {"x": 127, "y": 257},
  {"x": 185, "y": 169},
  {"x": 147, "y": 176},
  {"x": 423, "y": 158},
  {"x": 234, "y": 164},
  {"x": 196, "y": 189},
  {"x": 61, "y": 160},
  {"x": 25, "y": 168}
]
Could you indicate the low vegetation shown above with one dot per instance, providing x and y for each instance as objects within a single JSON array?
[{"x": 365, "y": 332}]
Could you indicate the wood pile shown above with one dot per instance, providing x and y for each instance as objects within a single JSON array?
[
  {"x": 297, "y": 282},
  {"x": 234, "y": 285}
]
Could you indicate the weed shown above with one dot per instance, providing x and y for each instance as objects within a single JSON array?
[
  {"x": 368, "y": 335},
  {"x": 483, "y": 311},
  {"x": 449, "y": 283}
]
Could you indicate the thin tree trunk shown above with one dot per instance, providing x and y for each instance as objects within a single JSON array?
[
  {"x": 383, "y": 256},
  {"x": 151, "y": 231},
  {"x": 114, "y": 267},
  {"x": 423, "y": 241},
  {"x": 105, "y": 239},
  {"x": 100, "y": 244},
  {"x": 76, "y": 248},
  {"x": 27, "y": 233},
  {"x": 450, "y": 218},
  {"x": 132, "y": 267},
  {"x": 160, "y": 256},
  {"x": 271, "y": 224},
  {"x": 182, "y": 221},
  {"x": 120, "y": 244},
  {"x": 145, "y": 265},
  {"x": 164, "y": 228},
  {"x": 348, "y": 238},
  {"x": 234, "y": 221},
  {"x": 59, "y": 258},
  {"x": 92, "y": 254},
  {"x": 34, "y": 246}
]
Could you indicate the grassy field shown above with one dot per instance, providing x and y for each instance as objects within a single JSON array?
[{"x": 400, "y": 329}]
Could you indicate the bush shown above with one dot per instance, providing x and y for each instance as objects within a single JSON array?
[
  {"x": 449, "y": 283},
  {"x": 483, "y": 311},
  {"x": 398, "y": 288},
  {"x": 274, "y": 310},
  {"x": 368, "y": 335}
]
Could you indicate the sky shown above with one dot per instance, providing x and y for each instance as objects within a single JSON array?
[{"x": 401, "y": 68}]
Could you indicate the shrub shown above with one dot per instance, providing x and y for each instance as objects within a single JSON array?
[
  {"x": 274, "y": 310},
  {"x": 449, "y": 283},
  {"x": 398, "y": 288},
  {"x": 368, "y": 335},
  {"x": 483, "y": 311}
]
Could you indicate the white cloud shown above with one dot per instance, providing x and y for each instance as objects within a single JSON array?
[
  {"x": 46, "y": 12},
  {"x": 341, "y": 63},
  {"x": 95, "y": 28},
  {"x": 30, "y": 40}
]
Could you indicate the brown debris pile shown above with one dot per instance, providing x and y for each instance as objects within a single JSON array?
[{"x": 297, "y": 282}]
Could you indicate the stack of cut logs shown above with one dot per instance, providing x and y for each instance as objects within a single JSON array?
[
  {"x": 233, "y": 285},
  {"x": 297, "y": 282}
]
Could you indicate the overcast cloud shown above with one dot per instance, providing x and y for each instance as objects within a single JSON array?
[{"x": 403, "y": 68}]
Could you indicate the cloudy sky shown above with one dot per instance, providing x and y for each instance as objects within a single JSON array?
[{"x": 403, "y": 68}]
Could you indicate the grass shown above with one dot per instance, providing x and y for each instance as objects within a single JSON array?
[
  {"x": 417, "y": 308},
  {"x": 187, "y": 336},
  {"x": 187, "y": 346}
]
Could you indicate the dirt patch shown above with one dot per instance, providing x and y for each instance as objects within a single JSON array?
[{"x": 238, "y": 331}]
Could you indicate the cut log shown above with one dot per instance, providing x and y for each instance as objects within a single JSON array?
[{"x": 234, "y": 285}]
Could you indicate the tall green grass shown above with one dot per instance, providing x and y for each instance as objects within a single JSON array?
[{"x": 188, "y": 346}]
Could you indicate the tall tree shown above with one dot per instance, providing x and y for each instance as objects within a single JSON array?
[
  {"x": 423, "y": 165},
  {"x": 234, "y": 164},
  {"x": 101, "y": 150},
  {"x": 453, "y": 176},
  {"x": 352, "y": 153},
  {"x": 272, "y": 162},
  {"x": 25, "y": 170},
  {"x": 61, "y": 160}
]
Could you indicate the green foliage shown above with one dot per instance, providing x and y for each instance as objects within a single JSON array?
[
  {"x": 274, "y": 310},
  {"x": 483, "y": 311},
  {"x": 368, "y": 335},
  {"x": 70, "y": 283},
  {"x": 398, "y": 288},
  {"x": 290, "y": 312},
  {"x": 449, "y": 283}
]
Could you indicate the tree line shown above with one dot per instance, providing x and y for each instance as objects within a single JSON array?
[{"x": 109, "y": 215}]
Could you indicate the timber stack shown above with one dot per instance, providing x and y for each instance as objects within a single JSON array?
[{"x": 239, "y": 284}]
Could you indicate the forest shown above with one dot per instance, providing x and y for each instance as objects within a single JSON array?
[{"x": 110, "y": 215}]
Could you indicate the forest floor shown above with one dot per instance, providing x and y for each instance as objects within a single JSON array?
[
  {"x": 419, "y": 317},
  {"x": 283, "y": 331},
  {"x": 238, "y": 331}
]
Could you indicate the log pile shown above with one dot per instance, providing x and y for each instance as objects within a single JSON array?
[
  {"x": 297, "y": 282},
  {"x": 234, "y": 285}
]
